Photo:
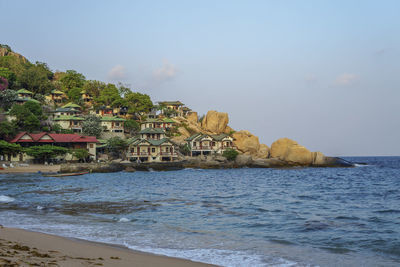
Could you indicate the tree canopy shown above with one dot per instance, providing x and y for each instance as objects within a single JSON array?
[
  {"x": 92, "y": 126},
  {"x": 45, "y": 152},
  {"x": 71, "y": 79}
]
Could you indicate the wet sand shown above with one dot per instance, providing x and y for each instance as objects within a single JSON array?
[
  {"x": 24, "y": 248},
  {"x": 32, "y": 168}
]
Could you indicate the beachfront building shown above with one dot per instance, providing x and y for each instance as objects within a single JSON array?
[
  {"x": 69, "y": 122},
  {"x": 151, "y": 146},
  {"x": 205, "y": 144},
  {"x": 165, "y": 123},
  {"x": 56, "y": 97},
  {"x": 70, "y": 141}
]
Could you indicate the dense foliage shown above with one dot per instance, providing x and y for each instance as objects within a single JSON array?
[
  {"x": 230, "y": 154},
  {"x": 92, "y": 126},
  {"x": 80, "y": 154},
  {"x": 116, "y": 146},
  {"x": 9, "y": 148},
  {"x": 45, "y": 152}
]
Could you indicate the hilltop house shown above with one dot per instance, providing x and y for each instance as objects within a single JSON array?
[
  {"x": 56, "y": 97},
  {"x": 70, "y": 141},
  {"x": 65, "y": 112},
  {"x": 112, "y": 127},
  {"x": 151, "y": 146},
  {"x": 102, "y": 111},
  {"x": 175, "y": 106},
  {"x": 204, "y": 144},
  {"x": 69, "y": 122}
]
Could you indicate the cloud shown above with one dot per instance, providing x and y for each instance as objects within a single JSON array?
[
  {"x": 166, "y": 72},
  {"x": 346, "y": 79},
  {"x": 117, "y": 73}
]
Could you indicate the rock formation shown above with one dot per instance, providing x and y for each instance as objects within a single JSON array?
[
  {"x": 7, "y": 52},
  {"x": 249, "y": 144},
  {"x": 215, "y": 122},
  {"x": 290, "y": 151},
  {"x": 192, "y": 117}
]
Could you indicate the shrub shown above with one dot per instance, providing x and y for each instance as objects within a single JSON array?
[{"x": 230, "y": 154}]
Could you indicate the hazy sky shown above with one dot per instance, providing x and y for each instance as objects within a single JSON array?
[{"x": 324, "y": 73}]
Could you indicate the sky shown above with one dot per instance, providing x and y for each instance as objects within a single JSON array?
[{"x": 323, "y": 73}]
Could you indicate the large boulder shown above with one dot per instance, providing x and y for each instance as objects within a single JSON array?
[
  {"x": 290, "y": 151},
  {"x": 215, "y": 121},
  {"x": 183, "y": 132},
  {"x": 192, "y": 117},
  {"x": 246, "y": 142},
  {"x": 263, "y": 152},
  {"x": 243, "y": 160}
]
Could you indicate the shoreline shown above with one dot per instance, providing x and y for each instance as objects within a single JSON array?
[{"x": 19, "y": 247}]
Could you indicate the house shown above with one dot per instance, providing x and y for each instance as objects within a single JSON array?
[
  {"x": 86, "y": 98},
  {"x": 151, "y": 146},
  {"x": 56, "y": 97},
  {"x": 65, "y": 112},
  {"x": 70, "y": 141},
  {"x": 23, "y": 96},
  {"x": 72, "y": 105},
  {"x": 103, "y": 111},
  {"x": 112, "y": 124},
  {"x": 69, "y": 122},
  {"x": 165, "y": 123},
  {"x": 175, "y": 106},
  {"x": 121, "y": 112},
  {"x": 205, "y": 144}
]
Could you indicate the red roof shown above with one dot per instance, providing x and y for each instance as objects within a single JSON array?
[{"x": 54, "y": 138}]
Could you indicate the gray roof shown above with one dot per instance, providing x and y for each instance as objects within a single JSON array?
[{"x": 152, "y": 131}]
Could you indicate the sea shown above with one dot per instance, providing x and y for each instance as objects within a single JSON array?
[{"x": 235, "y": 217}]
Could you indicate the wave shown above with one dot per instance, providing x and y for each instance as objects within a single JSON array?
[{"x": 6, "y": 199}]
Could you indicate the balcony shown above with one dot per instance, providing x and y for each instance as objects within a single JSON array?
[
  {"x": 202, "y": 148},
  {"x": 168, "y": 154}
]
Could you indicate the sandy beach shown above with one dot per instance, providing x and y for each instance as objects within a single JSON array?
[
  {"x": 24, "y": 248},
  {"x": 32, "y": 168}
]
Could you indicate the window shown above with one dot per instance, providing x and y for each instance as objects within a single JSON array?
[
  {"x": 212, "y": 143},
  {"x": 167, "y": 149},
  {"x": 91, "y": 145},
  {"x": 194, "y": 144},
  {"x": 153, "y": 150},
  {"x": 117, "y": 124}
]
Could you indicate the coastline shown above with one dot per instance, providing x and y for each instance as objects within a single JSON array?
[
  {"x": 32, "y": 168},
  {"x": 20, "y": 247}
]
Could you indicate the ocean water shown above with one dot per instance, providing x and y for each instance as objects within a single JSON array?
[{"x": 238, "y": 217}]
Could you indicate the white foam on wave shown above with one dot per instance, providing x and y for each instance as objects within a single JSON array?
[
  {"x": 361, "y": 165},
  {"x": 6, "y": 199},
  {"x": 123, "y": 219},
  {"x": 39, "y": 208},
  {"x": 218, "y": 256}
]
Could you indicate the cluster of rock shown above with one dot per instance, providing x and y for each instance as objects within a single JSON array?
[{"x": 283, "y": 151}]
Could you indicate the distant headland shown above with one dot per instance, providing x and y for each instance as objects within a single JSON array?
[{"x": 60, "y": 117}]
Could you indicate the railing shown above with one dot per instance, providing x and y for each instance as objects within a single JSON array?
[
  {"x": 140, "y": 154},
  {"x": 201, "y": 148},
  {"x": 168, "y": 154}
]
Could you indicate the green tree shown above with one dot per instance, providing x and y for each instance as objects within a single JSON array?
[
  {"x": 230, "y": 154},
  {"x": 184, "y": 149},
  {"x": 26, "y": 120},
  {"x": 72, "y": 79},
  {"x": 45, "y": 152},
  {"x": 116, "y": 146},
  {"x": 138, "y": 104},
  {"x": 94, "y": 88},
  {"x": 36, "y": 109},
  {"x": 131, "y": 126},
  {"x": 109, "y": 96},
  {"x": 9, "y": 148},
  {"x": 92, "y": 126},
  {"x": 9, "y": 75},
  {"x": 7, "y": 130},
  {"x": 80, "y": 154},
  {"x": 7, "y": 98},
  {"x": 35, "y": 78},
  {"x": 74, "y": 94}
]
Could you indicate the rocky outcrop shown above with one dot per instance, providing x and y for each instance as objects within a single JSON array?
[
  {"x": 290, "y": 151},
  {"x": 248, "y": 144},
  {"x": 192, "y": 117},
  {"x": 8, "y": 52},
  {"x": 215, "y": 122},
  {"x": 263, "y": 152},
  {"x": 92, "y": 167}
]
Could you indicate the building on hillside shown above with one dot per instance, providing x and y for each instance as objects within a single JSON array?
[
  {"x": 165, "y": 123},
  {"x": 70, "y": 141},
  {"x": 102, "y": 111},
  {"x": 23, "y": 93},
  {"x": 175, "y": 106},
  {"x": 73, "y": 123},
  {"x": 151, "y": 146},
  {"x": 204, "y": 144},
  {"x": 66, "y": 112},
  {"x": 121, "y": 112},
  {"x": 112, "y": 126},
  {"x": 72, "y": 105},
  {"x": 24, "y": 96},
  {"x": 186, "y": 111},
  {"x": 56, "y": 97},
  {"x": 86, "y": 98}
]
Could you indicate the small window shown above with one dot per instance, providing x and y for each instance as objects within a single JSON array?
[
  {"x": 212, "y": 143},
  {"x": 91, "y": 145},
  {"x": 153, "y": 150},
  {"x": 194, "y": 144}
]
